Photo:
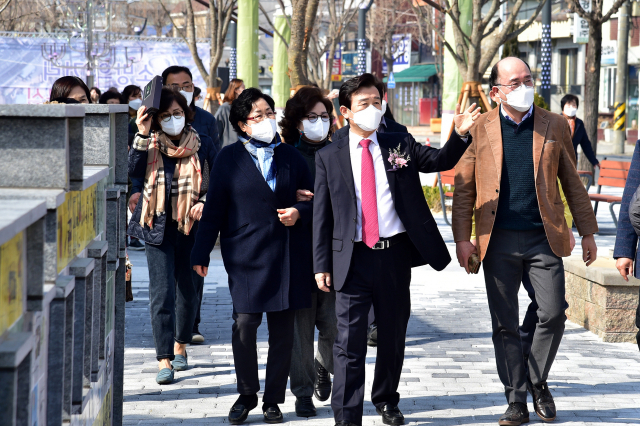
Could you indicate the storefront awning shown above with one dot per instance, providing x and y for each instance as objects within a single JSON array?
[{"x": 415, "y": 74}]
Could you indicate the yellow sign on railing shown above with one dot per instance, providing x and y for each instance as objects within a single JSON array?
[
  {"x": 11, "y": 281},
  {"x": 76, "y": 224}
]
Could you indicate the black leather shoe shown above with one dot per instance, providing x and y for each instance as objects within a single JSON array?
[
  {"x": 345, "y": 424},
  {"x": 240, "y": 410},
  {"x": 272, "y": 415},
  {"x": 305, "y": 407},
  {"x": 372, "y": 335},
  {"x": 516, "y": 414},
  {"x": 543, "y": 401},
  {"x": 322, "y": 388},
  {"x": 391, "y": 415}
]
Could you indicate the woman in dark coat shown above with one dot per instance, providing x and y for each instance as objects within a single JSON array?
[
  {"x": 307, "y": 126},
  {"x": 569, "y": 104},
  {"x": 165, "y": 218},
  {"x": 626, "y": 248},
  {"x": 265, "y": 240}
]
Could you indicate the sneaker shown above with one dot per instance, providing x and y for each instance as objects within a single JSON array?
[{"x": 136, "y": 245}]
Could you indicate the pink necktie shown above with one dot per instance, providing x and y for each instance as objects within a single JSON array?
[{"x": 370, "y": 231}]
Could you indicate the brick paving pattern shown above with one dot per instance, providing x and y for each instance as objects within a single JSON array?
[{"x": 449, "y": 375}]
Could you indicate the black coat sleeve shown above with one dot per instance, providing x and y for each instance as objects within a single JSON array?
[
  {"x": 138, "y": 158},
  {"x": 322, "y": 220},
  {"x": 214, "y": 215},
  {"x": 586, "y": 147},
  {"x": 431, "y": 160},
  {"x": 304, "y": 181}
]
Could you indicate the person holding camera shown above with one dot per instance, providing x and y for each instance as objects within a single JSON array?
[{"x": 175, "y": 162}]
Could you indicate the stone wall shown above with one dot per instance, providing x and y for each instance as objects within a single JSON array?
[
  {"x": 601, "y": 300},
  {"x": 63, "y": 180}
]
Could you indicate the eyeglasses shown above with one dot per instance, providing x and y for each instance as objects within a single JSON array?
[
  {"x": 258, "y": 118},
  {"x": 513, "y": 86},
  {"x": 166, "y": 118},
  {"x": 186, "y": 87},
  {"x": 312, "y": 117}
]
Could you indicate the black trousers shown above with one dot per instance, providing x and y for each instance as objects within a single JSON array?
[
  {"x": 381, "y": 278},
  {"x": 200, "y": 291},
  {"x": 245, "y": 353}
]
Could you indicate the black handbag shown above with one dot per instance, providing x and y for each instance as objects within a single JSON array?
[{"x": 634, "y": 211}]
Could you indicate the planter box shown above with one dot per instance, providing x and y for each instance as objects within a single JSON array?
[{"x": 601, "y": 300}]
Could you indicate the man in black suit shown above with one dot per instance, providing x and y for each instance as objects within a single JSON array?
[
  {"x": 388, "y": 124},
  {"x": 371, "y": 225}
]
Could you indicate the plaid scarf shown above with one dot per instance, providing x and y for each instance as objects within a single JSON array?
[{"x": 187, "y": 178}]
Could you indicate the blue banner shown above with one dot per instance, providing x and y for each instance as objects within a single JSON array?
[{"x": 26, "y": 76}]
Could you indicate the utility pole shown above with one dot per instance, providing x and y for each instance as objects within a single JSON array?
[
  {"x": 362, "y": 40},
  {"x": 233, "y": 32},
  {"x": 545, "y": 65},
  {"x": 619, "y": 116}
]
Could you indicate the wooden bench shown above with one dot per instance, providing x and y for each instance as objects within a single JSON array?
[
  {"x": 446, "y": 178},
  {"x": 612, "y": 173}
]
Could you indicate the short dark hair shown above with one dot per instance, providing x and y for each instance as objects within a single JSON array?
[
  {"x": 569, "y": 98},
  {"x": 98, "y": 91},
  {"x": 64, "y": 85},
  {"x": 196, "y": 91},
  {"x": 493, "y": 77},
  {"x": 106, "y": 96},
  {"x": 130, "y": 90},
  {"x": 166, "y": 99},
  {"x": 353, "y": 85},
  {"x": 297, "y": 109},
  {"x": 175, "y": 69},
  {"x": 241, "y": 107}
]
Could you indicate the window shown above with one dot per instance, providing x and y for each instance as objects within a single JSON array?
[
  {"x": 568, "y": 67},
  {"x": 613, "y": 29}
]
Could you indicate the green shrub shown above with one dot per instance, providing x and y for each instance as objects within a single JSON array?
[{"x": 432, "y": 195}]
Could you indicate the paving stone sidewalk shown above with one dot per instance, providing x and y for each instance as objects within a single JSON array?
[{"x": 449, "y": 375}]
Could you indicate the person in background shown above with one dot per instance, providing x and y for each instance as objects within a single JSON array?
[
  {"x": 307, "y": 126},
  {"x": 167, "y": 220},
  {"x": 180, "y": 78},
  {"x": 265, "y": 241},
  {"x": 95, "y": 95},
  {"x": 70, "y": 87},
  {"x": 569, "y": 104},
  {"x": 226, "y": 133},
  {"x": 132, "y": 95},
  {"x": 198, "y": 99},
  {"x": 110, "y": 97},
  {"x": 626, "y": 250}
]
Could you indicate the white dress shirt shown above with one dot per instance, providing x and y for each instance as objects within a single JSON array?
[{"x": 389, "y": 223}]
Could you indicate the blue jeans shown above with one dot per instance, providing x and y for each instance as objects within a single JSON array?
[{"x": 173, "y": 299}]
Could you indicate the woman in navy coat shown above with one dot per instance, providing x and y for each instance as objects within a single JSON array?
[
  {"x": 626, "y": 248},
  {"x": 265, "y": 240}
]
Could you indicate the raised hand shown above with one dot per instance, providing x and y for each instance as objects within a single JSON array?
[
  {"x": 143, "y": 121},
  {"x": 465, "y": 120}
]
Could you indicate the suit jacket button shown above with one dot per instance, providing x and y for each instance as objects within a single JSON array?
[
  {"x": 354, "y": 219},
  {"x": 352, "y": 240}
]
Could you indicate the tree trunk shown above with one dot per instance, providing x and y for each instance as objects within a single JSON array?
[
  {"x": 591, "y": 89},
  {"x": 296, "y": 44},
  {"x": 309, "y": 20}
]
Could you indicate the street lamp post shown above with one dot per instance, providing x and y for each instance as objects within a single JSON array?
[{"x": 361, "y": 68}]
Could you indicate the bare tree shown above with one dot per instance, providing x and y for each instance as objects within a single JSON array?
[
  {"x": 474, "y": 53},
  {"x": 592, "y": 77},
  {"x": 387, "y": 19},
  {"x": 220, "y": 13},
  {"x": 297, "y": 68},
  {"x": 4, "y": 5},
  {"x": 334, "y": 17}
]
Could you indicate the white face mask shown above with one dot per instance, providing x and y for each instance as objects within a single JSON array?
[
  {"x": 200, "y": 103},
  {"x": 384, "y": 106},
  {"x": 521, "y": 98},
  {"x": 368, "y": 119},
  {"x": 188, "y": 96},
  {"x": 135, "y": 104},
  {"x": 173, "y": 127},
  {"x": 570, "y": 111},
  {"x": 317, "y": 131},
  {"x": 264, "y": 131}
]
